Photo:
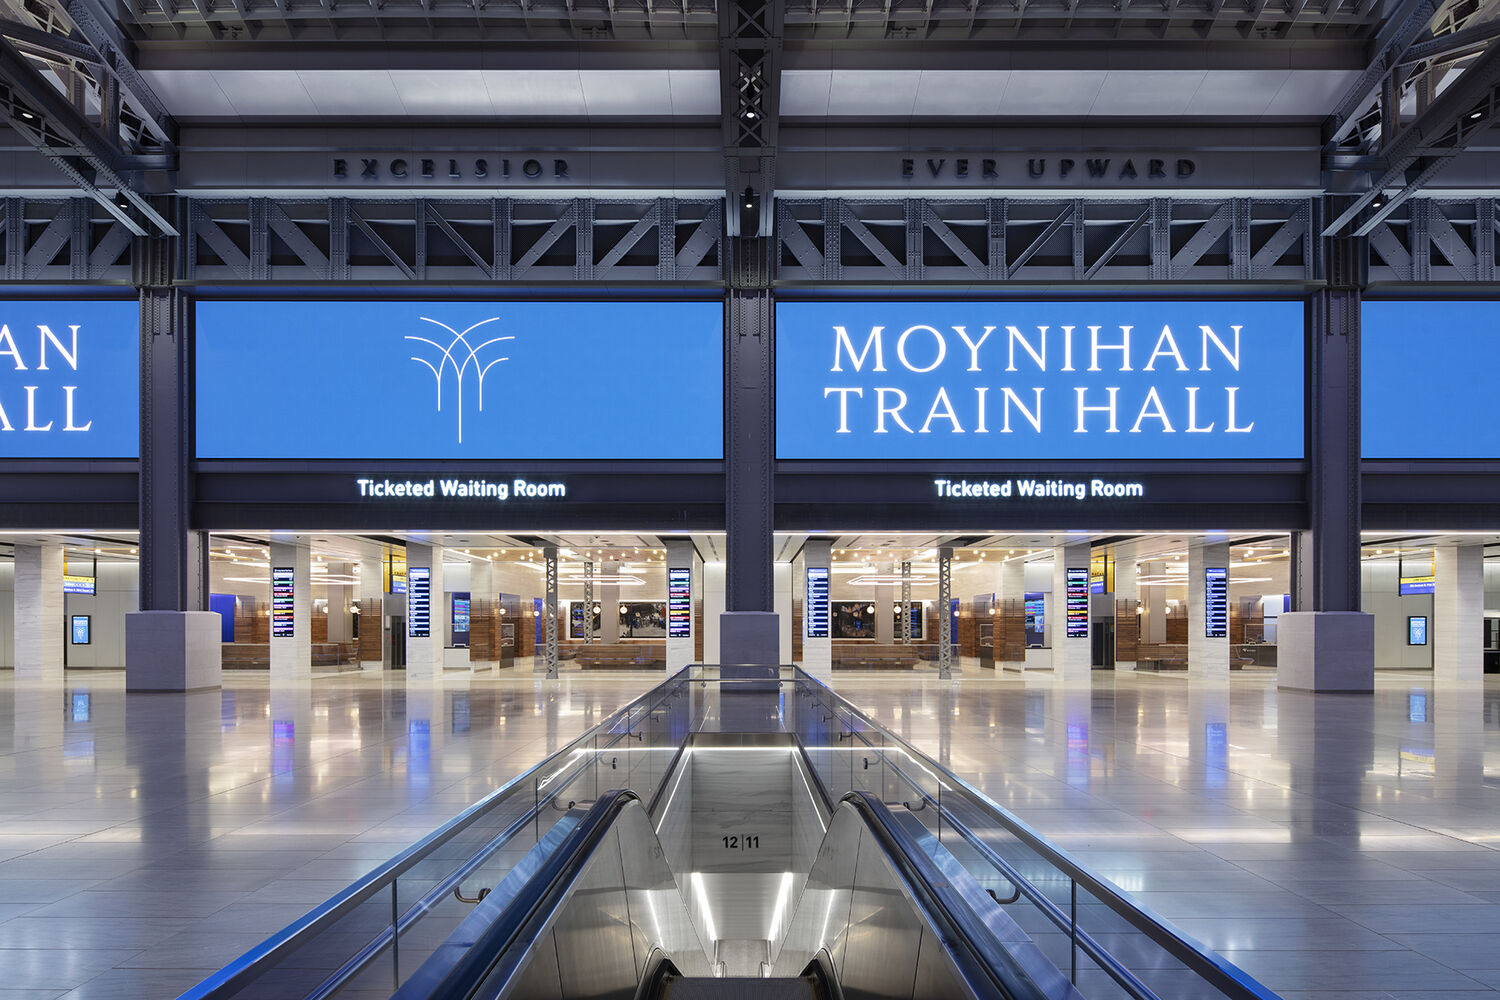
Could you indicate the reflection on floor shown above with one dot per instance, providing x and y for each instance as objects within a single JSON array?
[
  {"x": 146, "y": 842},
  {"x": 1338, "y": 847}
]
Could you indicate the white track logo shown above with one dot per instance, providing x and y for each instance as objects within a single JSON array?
[{"x": 458, "y": 355}]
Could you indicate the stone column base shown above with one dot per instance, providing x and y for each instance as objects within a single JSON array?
[
  {"x": 173, "y": 650},
  {"x": 750, "y": 637},
  {"x": 1326, "y": 651}
]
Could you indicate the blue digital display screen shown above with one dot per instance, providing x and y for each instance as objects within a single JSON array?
[
  {"x": 437, "y": 380},
  {"x": 1416, "y": 630},
  {"x": 1039, "y": 380},
  {"x": 1424, "y": 368},
  {"x": 69, "y": 383}
]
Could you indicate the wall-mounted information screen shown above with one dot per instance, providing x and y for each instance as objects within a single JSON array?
[
  {"x": 1216, "y": 602},
  {"x": 418, "y": 602},
  {"x": 474, "y": 379},
  {"x": 78, "y": 585},
  {"x": 1416, "y": 630},
  {"x": 679, "y": 603},
  {"x": 886, "y": 379},
  {"x": 817, "y": 602},
  {"x": 283, "y": 602},
  {"x": 1078, "y": 602},
  {"x": 79, "y": 630}
]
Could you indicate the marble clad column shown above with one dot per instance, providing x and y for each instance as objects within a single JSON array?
[
  {"x": 886, "y": 598},
  {"x": 339, "y": 596},
  {"x": 607, "y": 596},
  {"x": 1127, "y": 594},
  {"x": 1071, "y": 658},
  {"x": 39, "y": 624},
  {"x": 1206, "y": 657},
  {"x": 1458, "y": 615},
  {"x": 681, "y": 555},
  {"x": 371, "y": 598},
  {"x": 291, "y": 657},
  {"x": 482, "y": 588},
  {"x": 424, "y": 654},
  {"x": 1012, "y": 588}
]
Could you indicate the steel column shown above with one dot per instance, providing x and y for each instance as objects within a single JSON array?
[
  {"x": 549, "y": 611},
  {"x": 588, "y": 601},
  {"x": 945, "y": 613},
  {"x": 906, "y": 603},
  {"x": 172, "y": 558},
  {"x": 748, "y": 437},
  {"x": 1325, "y": 565}
]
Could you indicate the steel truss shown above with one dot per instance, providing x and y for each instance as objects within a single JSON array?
[
  {"x": 65, "y": 239},
  {"x": 1025, "y": 240},
  {"x": 478, "y": 240},
  {"x": 1442, "y": 241},
  {"x": 1436, "y": 240}
]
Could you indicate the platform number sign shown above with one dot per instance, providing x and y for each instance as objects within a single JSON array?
[
  {"x": 1216, "y": 603},
  {"x": 418, "y": 602},
  {"x": 283, "y": 602},
  {"x": 1078, "y": 602}
]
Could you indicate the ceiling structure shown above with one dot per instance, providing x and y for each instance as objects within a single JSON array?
[{"x": 105, "y": 90}]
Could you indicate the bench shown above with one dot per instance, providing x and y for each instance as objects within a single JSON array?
[
  {"x": 622, "y": 656},
  {"x": 871, "y": 656}
]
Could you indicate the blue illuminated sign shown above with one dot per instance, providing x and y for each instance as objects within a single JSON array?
[
  {"x": 491, "y": 380},
  {"x": 1416, "y": 630},
  {"x": 1039, "y": 380},
  {"x": 69, "y": 382},
  {"x": 1425, "y": 367}
]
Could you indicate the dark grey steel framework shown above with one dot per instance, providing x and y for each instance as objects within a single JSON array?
[{"x": 924, "y": 246}]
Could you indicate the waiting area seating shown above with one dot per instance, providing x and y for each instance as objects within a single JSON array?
[
  {"x": 621, "y": 655},
  {"x": 257, "y": 655},
  {"x": 862, "y": 655}
]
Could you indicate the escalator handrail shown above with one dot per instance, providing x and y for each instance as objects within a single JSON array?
[
  {"x": 525, "y": 917},
  {"x": 265, "y": 955},
  {"x": 984, "y": 963},
  {"x": 1228, "y": 978}
]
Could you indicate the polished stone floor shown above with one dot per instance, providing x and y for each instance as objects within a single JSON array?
[
  {"x": 146, "y": 841},
  {"x": 1337, "y": 847}
]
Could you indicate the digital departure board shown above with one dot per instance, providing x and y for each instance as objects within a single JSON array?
[
  {"x": 1078, "y": 602},
  {"x": 817, "y": 602},
  {"x": 418, "y": 602},
  {"x": 1216, "y": 603},
  {"x": 679, "y": 603},
  {"x": 283, "y": 602}
]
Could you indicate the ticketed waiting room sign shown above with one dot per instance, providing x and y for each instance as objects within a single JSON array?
[
  {"x": 1039, "y": 380},
  {"x": 492, "y": 380}
]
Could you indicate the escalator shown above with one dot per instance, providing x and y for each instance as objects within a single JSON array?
[
  {"x": 744, "y": 880},
  {"x": 734, "y": 832}
]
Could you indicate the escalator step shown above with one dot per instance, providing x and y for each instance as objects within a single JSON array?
[{"x": 692, "y": 988}]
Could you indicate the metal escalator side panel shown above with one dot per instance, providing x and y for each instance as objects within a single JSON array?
[
  {"x": 821, "y": 919},
  {"x": 1019, "y": 946},
  {"x": 594, "y": 939},
  {"x": 446, "y": 955}
]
